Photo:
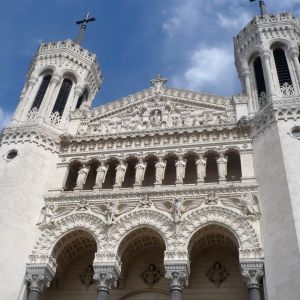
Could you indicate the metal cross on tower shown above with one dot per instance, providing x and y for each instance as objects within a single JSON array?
[
  {"x": 80, "y": 35},
  {"x": 263, "y": 9}
]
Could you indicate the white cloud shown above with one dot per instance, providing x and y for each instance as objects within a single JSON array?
[
  {"x": 238, "y": 21},
  {"x": 5, "y": 118},
  {"x": 209, "y": 67}
]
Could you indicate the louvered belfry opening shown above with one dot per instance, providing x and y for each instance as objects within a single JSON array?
[
  {"x": 259, "y": 76},
  {"x": 282, "y": 67},
  {"x": 41, "y": 92},
  {"x": 62, "y": 97}
]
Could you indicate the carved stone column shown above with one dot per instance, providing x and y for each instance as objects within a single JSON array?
[
  {"x": 266, "y": 58},
  {"x": 252, "y": 272},
  {"x": 201, "y": 169},
  {"x": 24, "y": 101},
  {"x": 222, "y": 167},
  {"x": 77, "y": 93},
  {"x": 107, "y": 275},
  {"x": 294, "y": 53},
  {"x": 39, "y": 276},
  {"x": 178, "y": 273},
  {"x": 46, "y": 103}
]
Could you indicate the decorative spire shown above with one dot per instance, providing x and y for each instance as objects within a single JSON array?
[
  {"x": 80, "y": 35},
  {"x": 263, "y": 9},
  {"x": 158, "y": 82}
]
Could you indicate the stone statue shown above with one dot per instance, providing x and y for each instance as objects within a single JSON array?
[
  {"x": 120, "y": 173},
  {"x": 87, "y": 277},
  {"x": 217, "y": 274},
  {"x": 140, "y": 169},
  {"x": 209, "y": 119},
  {"x": 177, "y": 208},
  {"x": 112, "y": 208},
  {"x": 49, "y": 215},
  {"x": 222, "y": 166},
  {"x": 160, "y": 168},
  {"x": 151, "y": 276},
  {"x": 82, "y": 175},
  {"x": 101, "y": 174},
  {"x": 169, "y": 122},
  {"x": 199, "y": 120},
  {"x": 155, "y": 119},
  {"x": 201, "y": 168},
  {"x": 180, "y": 169}
]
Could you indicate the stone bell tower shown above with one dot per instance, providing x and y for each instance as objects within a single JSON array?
[
  {"x": 267, "y": 61},
  {"x": 62, "y": 77}
]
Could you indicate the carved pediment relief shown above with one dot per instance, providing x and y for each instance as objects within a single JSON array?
[{"x": 157, "y": 113}]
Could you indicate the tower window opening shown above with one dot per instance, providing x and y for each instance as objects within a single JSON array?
[
  {"x": 62, "y": 97},
  {"x": 80, "y": 100},
  {"x": 41, "y": 92},
  {"x": 282, "y": 67},
  {"x": 260, "y": 79}
]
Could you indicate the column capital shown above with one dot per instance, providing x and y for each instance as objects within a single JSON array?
[
  {"x": 39, "y": 276},
  {"x": 32, "y": 80},
  {"x": 294, "y": 52},
  {"x": 107, "y": 274},
  {"x": 266, "y": 54},
  {"x": 56, "y": 78},
  {"x": 252, "y": 272},
  {"x": 78, "y": 90},
  {"x": 178, "y": 273}
]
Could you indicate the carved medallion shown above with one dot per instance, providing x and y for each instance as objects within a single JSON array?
[
  {"x": 217, "y": 274},
  {"x": 151, "y": 276}
]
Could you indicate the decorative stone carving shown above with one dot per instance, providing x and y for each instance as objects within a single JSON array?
[
  {"x": 101, "y": 174},
  {"x": 287, "y": 90},
  {"x": 112, "y": 209},
  {"x": 32, "y": 114},
  {"x": 145, "y": 203},
  {"x": 87, "y": 277},
  {"x": 178, "y": 206},
  {"x": 55, "y": 118},
  {"x": 120, "y": 173},
  {"x": 245, "y": 203},
  {"x": 178, "y": 274},
  {"x": 158, "y": 82},
  {"x": 252, "y": 272},
  {"x": 83, "y": 205},
  {"x": 180, "y": 165},
  {"x": 39, "y": 276},
  {"x": 52, "y": 211},
  {"x": 151, "y": 276},
  {"x": 217, "y": 274},
  {"x": 211, "y": 199},
  {"x": 82, "y": 176}
]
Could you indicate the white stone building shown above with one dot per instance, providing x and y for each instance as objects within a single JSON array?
[{"x": 164, "y": 193}]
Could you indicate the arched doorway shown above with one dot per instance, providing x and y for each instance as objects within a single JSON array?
[
  {"x": 74, "y": 254},
  {"x": 142, "y": 275},
  {"x": 215, "y": 269}
]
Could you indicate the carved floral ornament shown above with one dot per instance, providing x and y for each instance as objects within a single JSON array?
[{"x": 108, "y": 238}]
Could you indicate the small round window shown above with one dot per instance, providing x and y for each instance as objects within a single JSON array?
[
  {"x": 12, "y": 154},
  {"x": 296, "y": 132}
]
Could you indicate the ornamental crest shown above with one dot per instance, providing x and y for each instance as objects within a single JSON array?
[
  {"x": 152, "y": 275},
  {"x": 217, "y": 274}
]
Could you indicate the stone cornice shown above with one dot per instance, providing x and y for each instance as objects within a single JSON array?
[{"x": 189, "y": 191}]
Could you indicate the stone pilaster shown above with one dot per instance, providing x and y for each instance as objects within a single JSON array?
[
  {"x": 178, "y": 274},
  {"x": 252, "y": 272},
  {"x": 107, "y": 275},
  {"x": 39, "y": 276}
]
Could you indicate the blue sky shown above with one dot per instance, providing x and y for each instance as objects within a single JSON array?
[{"x": 189, "y": 42}]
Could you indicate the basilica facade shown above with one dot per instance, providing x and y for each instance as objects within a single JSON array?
[{"x": 164, "y": 194}]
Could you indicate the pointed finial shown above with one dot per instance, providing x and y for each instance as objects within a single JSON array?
[
  {"x": 80, "y": 35},
  {"x": 263, "y": 9}
]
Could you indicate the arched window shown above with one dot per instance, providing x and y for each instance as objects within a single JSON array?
[
  {"x": 282, "y": 67},
  {"x": 72, "y": 177},
  {"x": 260, "y": 81},
  {"x": 234, "y": 171},
  {"x": 41, "y": 92},
  {"x": 82, "y": 98},
  {"x": 62, "y": 97}
]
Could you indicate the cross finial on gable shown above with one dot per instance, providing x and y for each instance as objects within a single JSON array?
[{"x": 158, "y": 82}]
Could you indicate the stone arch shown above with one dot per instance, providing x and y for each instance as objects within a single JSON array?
[
  {"x": 280, "y": 43},
  {"x": 72, "y": 75},
  {"x": 161, "y": 291},
  {"x": 242, "y": 229},
  {"x": 155, "y": 220},
  {"x": 44, "y": 70},
  {"x": 251, "y": 56},
  {"x": 48, "y": 239}
]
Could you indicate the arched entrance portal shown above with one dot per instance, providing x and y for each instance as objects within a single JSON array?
[
  {"x": 142, "y": 275},
  {"x": 74, "y": 254},
  {"x": 215, "y": 269}
]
